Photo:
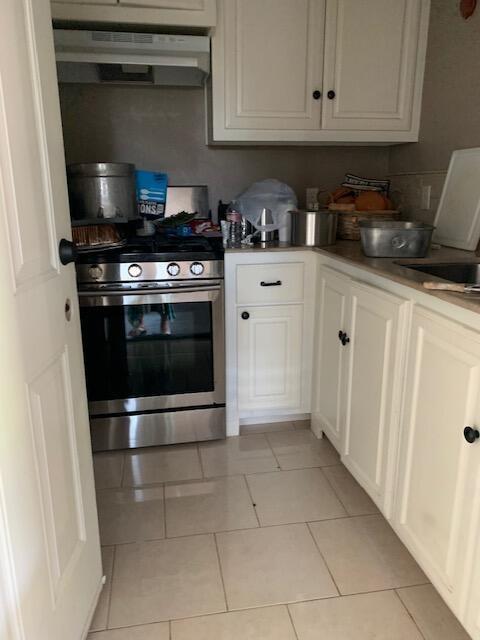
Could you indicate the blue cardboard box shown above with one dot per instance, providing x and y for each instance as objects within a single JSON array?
[{"x": 151, "y": 194}]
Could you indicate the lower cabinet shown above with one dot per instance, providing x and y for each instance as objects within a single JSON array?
[
  {"x": 438, "y": 493},
  {"x": 377, "y": 335},
  {"x": 269, "y": 353},
  {"x": 361, "y": 333},
  {"x": 328, "y": 402}
]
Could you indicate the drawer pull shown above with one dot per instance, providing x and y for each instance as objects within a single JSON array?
[
  {"x": 343, "y": 337},
  {"x": 278, "y": 283}
]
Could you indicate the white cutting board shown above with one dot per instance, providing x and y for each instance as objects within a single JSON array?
[{"x": 458, "y": 216}]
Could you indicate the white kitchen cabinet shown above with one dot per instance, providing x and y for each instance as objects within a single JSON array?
[
  {"x": 438, "y": 493},
  {"x": 269, "y": 357},
  {"x": 176, "y": 13},
  {"x": 328, "y": 402},
  {"x": 318, "y": 70},
  {"x": 269, "y": 62},
  {"x": 371, "y": 50},
  {"x": 372, "y": 396}
]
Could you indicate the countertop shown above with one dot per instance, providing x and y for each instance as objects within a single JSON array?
[{"x": 350, "y": 252}]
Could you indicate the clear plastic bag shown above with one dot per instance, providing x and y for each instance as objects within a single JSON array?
[{"x": 270, "y": 194}]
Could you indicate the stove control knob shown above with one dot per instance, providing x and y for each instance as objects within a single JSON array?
[
  {"x": 197, "y": 268},
  {"x": 135, "y": 270},
  {"x": 173, "y": 269},
  {"x": 95, "y": 272}
]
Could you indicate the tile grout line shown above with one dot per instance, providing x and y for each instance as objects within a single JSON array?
[
  {"x": 109, "y": 606},
  {"x": 251, "y": 500},
  {"x": 323, "y": 558},
  {"x": 404, "y": 606},
  {"x": 201, "y": 462},
  {"x": 334, "y": 491},
  {"x": 164, "y": 513},
  {"x": 221, "y": 572},
  {"x": 273, "y": 452},
  {"x": 124, "y": 464},
  {"x": 292, "y": 622}
]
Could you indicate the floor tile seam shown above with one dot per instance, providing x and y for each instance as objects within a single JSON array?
[
  {"x": 317, "y": 547},
  {"x": 286, "y": 605},
  {"x": 109, "y": 604},
  {"x": 200, "y": 460},
  {"x": 334, "y": 490},
  {"x": 124, "y": 466},
  {"x": 146, "y": 485},
  {"x": 411, "y": 616},
  {"x": 271, "y": 448},
  {"x": 220, "y": 570},
  {"x": 292, "y": 623},
  {"x": 254, "y": 506},
  {"x": 205, "y": 533},
  {"x": 164, "y": 513}
]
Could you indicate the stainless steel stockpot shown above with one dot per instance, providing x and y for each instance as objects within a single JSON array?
[
  {"x": 313, "y": 228},
  {"x": 102, "y": 192}
]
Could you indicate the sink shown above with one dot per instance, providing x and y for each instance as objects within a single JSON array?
[{"x": 467, "y": 272}]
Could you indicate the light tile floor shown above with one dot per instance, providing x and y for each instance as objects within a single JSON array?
[{"x": 261, "y": 537}]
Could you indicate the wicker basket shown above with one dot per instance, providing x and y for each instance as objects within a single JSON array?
[{"x": 347, "y": 225}]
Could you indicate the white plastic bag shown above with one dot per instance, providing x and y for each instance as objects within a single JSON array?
[{"x": 270, "y": 194}]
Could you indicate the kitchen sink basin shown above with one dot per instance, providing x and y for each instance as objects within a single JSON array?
[{"x": 467, "y": 272}]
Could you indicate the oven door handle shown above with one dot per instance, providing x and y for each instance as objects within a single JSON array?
[{"x": 175, "y": 295}]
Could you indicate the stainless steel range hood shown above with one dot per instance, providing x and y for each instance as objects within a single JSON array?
[{"x": 111, "y": 57}]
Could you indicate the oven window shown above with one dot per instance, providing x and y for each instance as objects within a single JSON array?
[{"x": 147, "y": 350}]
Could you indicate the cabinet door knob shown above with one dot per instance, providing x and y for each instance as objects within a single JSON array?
[
  {"x": 343, "y": 337},
  {"x": 245, "y": 315},
  {"x": 331, "y": 94},
  {"x": 317, "y": 94},
  {"x": 471, "y": 434}
]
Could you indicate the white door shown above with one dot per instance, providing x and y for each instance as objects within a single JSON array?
[
  {"x": 328, "y": 400},
  {"x": 370, "y": 64},
  {"x": 472, "y": 620},
  {"x": 50, "y": 569},
  {"x": 439, "y": 471},
  {"x": 375, "y": 373},
  {"x": 270, "y": 357},
  {"x": 267, "y": 58}
]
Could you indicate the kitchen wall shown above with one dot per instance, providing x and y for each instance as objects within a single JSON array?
[
  {"x": 164, "y": 129},
  {"x": 450, "y": 111}
]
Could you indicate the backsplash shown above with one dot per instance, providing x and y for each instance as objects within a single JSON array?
[{"x": 406, "y": 192}]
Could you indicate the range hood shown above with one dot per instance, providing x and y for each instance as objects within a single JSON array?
[{"x": 112, "y": 57}]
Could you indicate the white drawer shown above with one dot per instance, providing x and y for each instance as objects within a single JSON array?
[{"x": 270, "y": 283}]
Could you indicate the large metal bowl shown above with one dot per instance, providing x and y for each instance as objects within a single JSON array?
[{"x": 395, "y": 239}]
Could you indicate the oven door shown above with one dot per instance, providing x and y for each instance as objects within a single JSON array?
[{"x": 154, "y": 350}]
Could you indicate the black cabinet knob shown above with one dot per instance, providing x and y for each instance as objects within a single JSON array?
[
  {"x": 470, "y": 434},
  {"x": 67, "y": 251},
  {"x": 317, "y": 94},
  {"x": 245, "y": 315},
  {"x": 331, "y": 95},
  {"x": 343, "y": 337}
]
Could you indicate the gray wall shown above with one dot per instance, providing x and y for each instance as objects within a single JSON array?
[
  {"x": 164, "y": 129},
  {"x": 451, "y": 97}
]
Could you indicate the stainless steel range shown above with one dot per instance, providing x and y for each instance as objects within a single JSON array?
[{"x": 153, "y": 340}]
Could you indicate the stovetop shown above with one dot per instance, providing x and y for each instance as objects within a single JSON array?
[{"x": 158, "y": 248}]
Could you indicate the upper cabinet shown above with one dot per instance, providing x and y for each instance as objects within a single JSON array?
[
  {"x": 318, "y": 70},
  {"x": 269, "y": 64},
  {"x": 371, "y": 50},
  {"x": 176, "y": 13}
]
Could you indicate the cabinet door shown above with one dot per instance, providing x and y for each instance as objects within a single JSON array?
[
  {"x": 110, "y": 2},
  {"x": 267, "y": 62},
  {"x": 330, "y": 357},
  {"x": 377, "y": 335},
  {"x": 269, "y": 357},
  {"x": 371, "y": 63},
  {"x": 439, "y": 471},
  {"x": 181, "y": 5}
]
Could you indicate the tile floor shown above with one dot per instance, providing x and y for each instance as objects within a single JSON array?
[{"x": 261, "y": 537}]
